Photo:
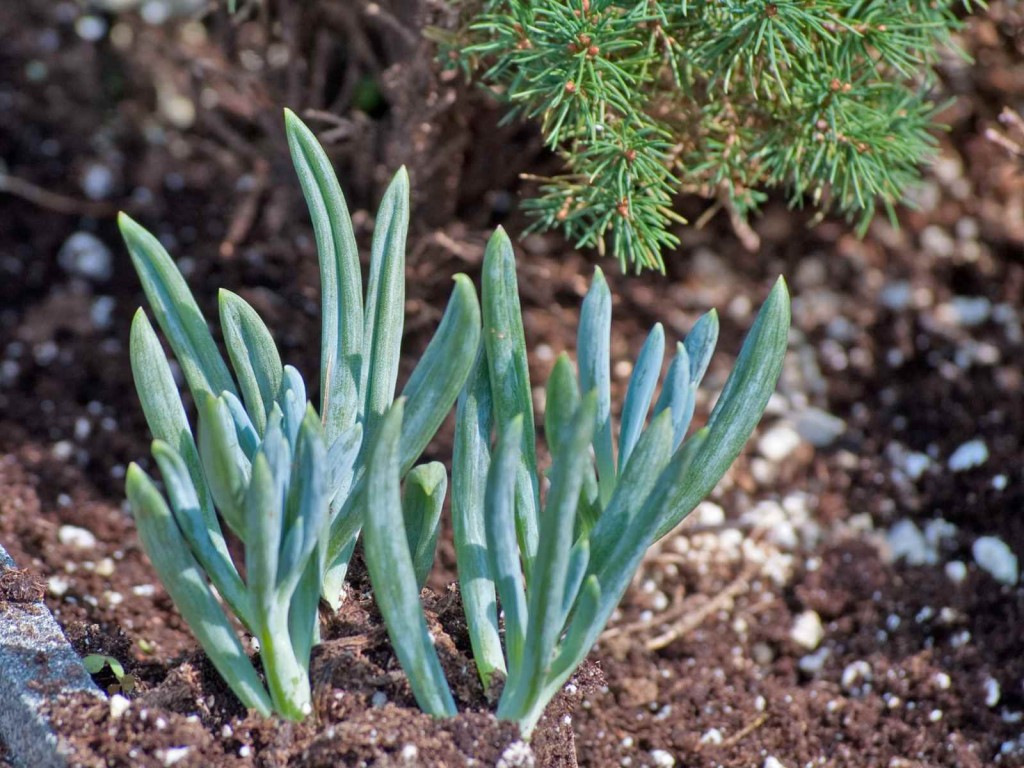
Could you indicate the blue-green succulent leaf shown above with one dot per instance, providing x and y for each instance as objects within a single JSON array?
[
  {"x": 594, "y": 345},
  {"x": 384, "y": 316},
  {"x": 341, "y": 280},
  {"x": 184, "y": 581},
  {"x": 253, "y": 355},
  {"x": 176, "y": 312},
  {"x": 390, "y": 566},
  {"x": 425, "y": 489},
  {"x": 640, "y": 392}
]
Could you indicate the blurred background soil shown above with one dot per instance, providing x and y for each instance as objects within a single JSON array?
[{"x": 847, "y": 596}]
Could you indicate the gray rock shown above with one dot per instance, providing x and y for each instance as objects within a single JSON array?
[
  {"x": 36, "y": 664},
  {"x": 84, "y": 255}
]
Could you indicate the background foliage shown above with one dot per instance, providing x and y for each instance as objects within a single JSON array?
[{"x": 830, "y": 100}]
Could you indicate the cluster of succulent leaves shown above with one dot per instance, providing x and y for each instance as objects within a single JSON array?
[
  {"x": 288, "y": 481},
  {"x": 828, "y": 99},
  {"x": 295, "y": 485},
  {"x": 558, "y": 563}
]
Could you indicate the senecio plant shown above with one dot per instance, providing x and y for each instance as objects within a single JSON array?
[
  {"x": 288, "y": 482},
  {"x": 827, "y": 99},
  {"x": 557, "y": 563},
  {"x": 295, "y": 485}
]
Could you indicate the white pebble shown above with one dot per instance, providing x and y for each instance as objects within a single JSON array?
[
  {"x": 662, "y": 759},
  {"x": 819, "y": 428},
  {"x": 712, "y": 736},
  {"x": 773, "y": 762},
  {"x": 993, "y": 693},
  {"x": 410, "y": 752},
  {"x": 379, "y": 699},
  {"x": 971, "y": 454},
  {"x": 85, "y": 255},
  {"x": 907, "y": 542},
  {"x": 778, "y": 442},
  {"x": 935, "y": 715},
  {"x": 73, "y": 536},
  {"x": 942, "y": 681},
  {"x": 994, "y": 557},
  {"x": 999, "y": 482},
  {"x": 855, "y": 673},
  {"x": 57, "y": 586},
  {"x": 956, "y": 571},
  {"x": 807, "y": 630},
  {"x": 518, "y": 754},
  {"x": 173, "y": 755},
  {"x": 813, "y": 663},
  {"x": 118, "y": 706}
]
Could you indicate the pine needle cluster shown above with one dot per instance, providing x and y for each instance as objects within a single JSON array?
[{"x": 830, "y": 100}]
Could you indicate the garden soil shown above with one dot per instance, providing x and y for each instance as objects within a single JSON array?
[{"x": 848, "y": 597}]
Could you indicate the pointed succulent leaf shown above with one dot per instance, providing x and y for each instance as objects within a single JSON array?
[
  {"x": 439, "y": 376},
  {"x": 384, "y": 315},
  {"x": 391, "y": 572},
  {"x": 510, "y": 378},
  {"x": 293, "y": 402},
  {"x": 207, "y": 545},
  {"x": 575, "y": 646},
  {"x": 184, "y": 581},
  {"x": 425, "y": 489},
  {"x": 248, "y": 440},
  {"x": 739, "y": 407},
  {"x": 579, "y": 559},
  {"x": 546, "y": 590},
  {"x": 651, "y": 456},
  {"x": 176, "y": 311},
  {"x": 253, "y": 355},
  {"x": 561, "y": 400},
  {"x": 163, "y": 408},
  {"x": 502, "y": 546},
  {"x": 341, "y": 280},
  {"x": 678, "y": 394},
  {"x": 640, "y": 392},
  {"x": 594, "y": 345},
  {"x": 265, "y": 517},
  {"x": 306, "y": 505},
  {"x": 341, "y": 460},
  {"x": 700, "y": 345},
  {"x": 224, "y": 463},
  {"x": 470, "y": 462}
]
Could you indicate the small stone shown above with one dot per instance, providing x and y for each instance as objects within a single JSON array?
[
  {"x": 779, "y": 442},
  {"x": 819, "y": 428},
  {"x": 73, "y": 536},
  {"x": 173, "y": 756},
  {"x": 971, "y": 454},
  {"x": 856, "y": 677},
  {"x": 85, "y": 255},
  {"x": 935, "y": 715},
  {"x": 807, "y": 630},
  {"x": 379, "y": 699},
  {"x": 118, "y": 706},
  {"x": 995, "y": 558},
  {"x": 956, "y": 571},
  {"x": 409, "y": 753},
  {"x": 906, "y": 541},
  {"x": 97, "y": 181},
  {"x": 992, "y": 692},
  {"x": 813, "y": 663},
  {"x": 942, "y": 681},
  {"x": 662, "y": 759},
  {"x": 773, "y": 762},
  {"x": 518, "y": 754},
  {"x": 57, "y": 586},
  {"x": 712, "y": 737}
]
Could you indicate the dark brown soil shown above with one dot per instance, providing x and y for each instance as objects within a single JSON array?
[{"x": 912, "y": 337}]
